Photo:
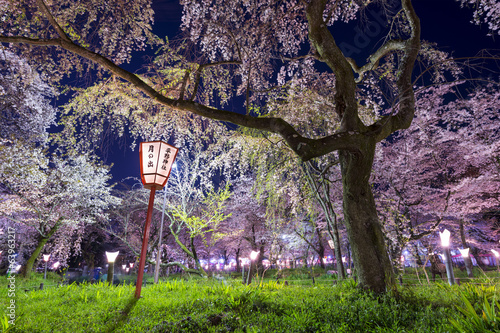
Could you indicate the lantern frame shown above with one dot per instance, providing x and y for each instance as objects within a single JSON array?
[{"x": 156, "y": 175}]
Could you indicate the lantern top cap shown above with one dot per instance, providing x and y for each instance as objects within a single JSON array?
[
  {"x": 445, "y": 237},
  {"x": 112, "y": 256}
]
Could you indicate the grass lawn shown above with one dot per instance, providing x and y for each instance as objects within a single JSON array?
[{"x": 211, "y": 305}]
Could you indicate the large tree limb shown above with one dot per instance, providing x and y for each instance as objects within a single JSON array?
[
  {"x": 345, "y": 85},
  {"x": 404, "y": 117},
  {"x": 306, "y": 148},
  {"x": 373, "y": 60}
]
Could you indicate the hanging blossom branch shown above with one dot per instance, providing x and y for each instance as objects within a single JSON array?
[{"x": 305, "y": 148}]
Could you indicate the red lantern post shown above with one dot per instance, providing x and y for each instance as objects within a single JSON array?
[{"x": 156, "y": 158}]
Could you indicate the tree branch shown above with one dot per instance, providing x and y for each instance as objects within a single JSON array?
[
  {"x": 373, "y": 60},
  {"x": 52, "y": 20},
  {"x": 402, "y": 120}
]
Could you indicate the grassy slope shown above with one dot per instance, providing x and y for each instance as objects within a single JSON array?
[{"x": 214, "y": 306}]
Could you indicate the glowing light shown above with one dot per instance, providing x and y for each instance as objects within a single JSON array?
[
  {"x": 156, "y": 160},
  {"x": 445, "y": 238},
  {"x": 254, "y": 255},
  {"x": 112, "y": 256},
  {"x": 464, "y": 252}
]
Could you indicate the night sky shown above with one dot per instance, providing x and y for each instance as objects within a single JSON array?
[{"x": 443, "y": 22}]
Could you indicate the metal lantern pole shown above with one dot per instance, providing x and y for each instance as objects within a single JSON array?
[
  {"x": 253, "y": 256},
  {"x": 111, "y": 256},
  {"x": 467, "y": 261},
  {"x": 158, "y": 256},
  {"x": 497, "y": 256},
  {"x": 445, "y": 242},
  {"x": 144, "y": 248},
  {"x": 46, "y": 258}
]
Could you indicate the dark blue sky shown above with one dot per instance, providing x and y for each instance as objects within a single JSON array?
[{"x": 443, "y": 22}]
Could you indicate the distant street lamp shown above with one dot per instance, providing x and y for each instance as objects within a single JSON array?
[
  {"x": 156, "y": 160},
  {"x": 56, "y": 265},
  {"x": 124, "y": 268},
  {"x": 46, "y": 258},
  {"x": 467, "y": 261},
  {"x": 445, "y": 242},
  {"x": 497, "y": 255},
  {"x": 111, "y": 256},
  {"x": 253, "y": 256}
]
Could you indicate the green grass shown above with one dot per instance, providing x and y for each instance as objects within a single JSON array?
[{"x": 208, "y": 305}]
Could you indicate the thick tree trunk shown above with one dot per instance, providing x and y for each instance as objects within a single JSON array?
[
  {"x": 334, "y": 234},
  {"x": 237, "y": 255},
  {"x": 197, "y": 262},
  {"x": 321, "y": 250},
  {"x": 364, "y": 230},
  {"x": 467, "y": 260},
  {"x": 42, "y": 240}
]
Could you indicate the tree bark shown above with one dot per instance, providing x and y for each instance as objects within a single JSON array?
[
  {"x": 334, "y": 234},
  {"x": 467, "y": 260},
  {"x": 321, "y": 250},
  {"x": 364, "y": 230},
  {"x": 237, "y": 256},
  {"x": 42, "y": 240}
]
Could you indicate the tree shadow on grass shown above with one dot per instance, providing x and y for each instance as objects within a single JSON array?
[{"x": 122, "y": 318}]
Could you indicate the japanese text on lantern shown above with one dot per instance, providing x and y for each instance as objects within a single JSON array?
[
  {"x": 150, "y": 156},
  {"x": 166, "y": 158}
]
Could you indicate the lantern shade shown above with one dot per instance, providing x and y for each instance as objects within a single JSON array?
[
  {"x": 464, "y": 252},
  {"x": 254, "y": 255},
  {"x": 112, "y": 256},
  {"x": 46, "y": 257},
  {"x": 445, "y": 238},
  {"x": 156, "y": 160}
]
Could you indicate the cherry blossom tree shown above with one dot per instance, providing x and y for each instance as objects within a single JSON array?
[
  {"x": 25, "y": 108},
  {"x": 485, "y": 11},
  {"x": 278, "y": 44},
  {"x": 443, "y": 170},
  {"x": 52, "y": 195}
]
